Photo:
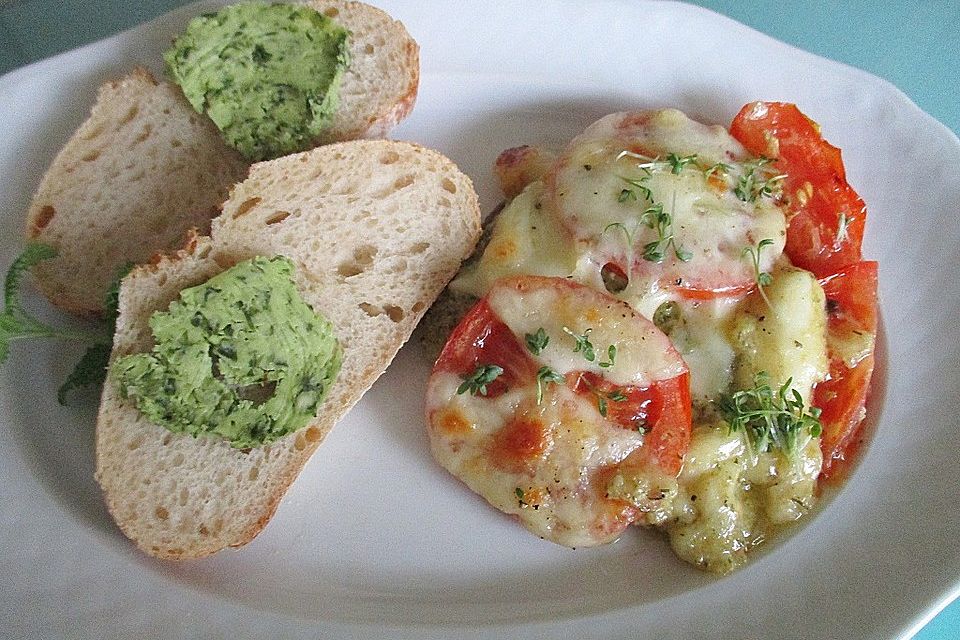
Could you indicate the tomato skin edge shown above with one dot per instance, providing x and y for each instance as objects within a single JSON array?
[
  {"x": 665, "y": 403},
  {"x": 842, "y": 401},
  {"x": 842, "y": 398},
  {"x": 480, "y": 338}
]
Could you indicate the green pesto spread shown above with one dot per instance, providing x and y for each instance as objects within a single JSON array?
[
  {"x": 268, "y": 75},
  {"x": 241, "y": 357}
]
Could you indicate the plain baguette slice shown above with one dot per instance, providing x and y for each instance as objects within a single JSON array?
[
  {"x": 376, "y": 229},
  {"x": 145, "y": 167},
  {"x": 142, "y": 170}
]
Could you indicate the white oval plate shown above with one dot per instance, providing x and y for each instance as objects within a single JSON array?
[{"x": 374, "y": 539}]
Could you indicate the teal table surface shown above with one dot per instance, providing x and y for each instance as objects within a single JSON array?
[{"x": 913, "y": 45}]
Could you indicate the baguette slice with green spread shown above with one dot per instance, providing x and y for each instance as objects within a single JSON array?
[
  {"x": 145, "y": 167},
  {"x": 375, "y": 230}
]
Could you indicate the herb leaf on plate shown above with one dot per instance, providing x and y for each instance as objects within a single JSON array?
[
  {"x": 91, "y": 370},
  {"x": 16, "y": 323}
]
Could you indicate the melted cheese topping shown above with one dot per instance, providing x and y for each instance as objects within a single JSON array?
[
  {"x": 706, "y": 347},
  {"x": 643, "y": 354},
  {"x": 784, "y": 334},
  {"x": 525, "y": 241},
  {"x": 542, "y": 463},
  {"x": 586, "y": 214},
  {"x": 731, "y": 501},
  {"x": 612, "y": 179}
]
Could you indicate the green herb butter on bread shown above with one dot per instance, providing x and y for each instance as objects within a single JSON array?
[
  {"x": 241, "y": 357},
  {"x": 268, "y": 75}
]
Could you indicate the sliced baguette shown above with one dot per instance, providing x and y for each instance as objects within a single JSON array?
[
  {"x": 376, "y": 229},
  {"x": 141, "y": 171},
  {"x": 145, "y": 167}
]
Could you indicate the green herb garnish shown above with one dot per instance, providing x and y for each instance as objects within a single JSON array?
[
  {"x": 721, "y": 169},
  {"x": 771, "y": 420},
  {"x": 477, "y": 381},
  {"x": 15, "y": 322},
  {"x": 619, "y": 226},
  {"x": 758, "y": 180},
  {"x": 677, "y": 163},
  {"x": 537, "y": 342},
  {"x": 546, "y": 375},
  {"x": 638, "y": 186},
  {"x": 617, "y": 395},
  {"x": 582, "y": 344},
  {"x": 91, "y": 370},
  {"x": 654, "y": 217},
  {"x": 611, "y": 357},
  {"x": 602, "y": 405},
  {"x": 762, "y": 278},
  {"x": 673, "y": 163}
]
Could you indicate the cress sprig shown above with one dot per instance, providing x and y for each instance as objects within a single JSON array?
[
  {"x": 582, "y": 344},
  {"x": 476, "y": 382},
  {"x": 759, "y": 180},
  {"x": 546, "y": 376},
  {"x": 674, "y": 163},
  {"x": 770, "y": 419},
  {"x": 762, "y": 278},
  {"x": 654, "y": 216},
  {"x": 537, "y": 342}
]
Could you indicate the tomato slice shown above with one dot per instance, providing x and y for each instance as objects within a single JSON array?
[
  {"x": 826, "y": 228},
  {"x": 851, "y": 333},
  {"x": 637, "y": 188},
  {"x": 483, "y": 339},
  {"x": 852, "y": 295},
  {"x": 595, "y": 390}
]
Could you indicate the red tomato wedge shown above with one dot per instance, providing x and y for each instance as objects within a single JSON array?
[
  {"x": 851, "y": 334},
  {"x": 826, "y": 227}
]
